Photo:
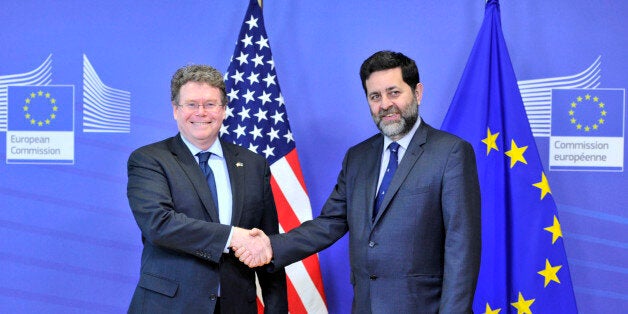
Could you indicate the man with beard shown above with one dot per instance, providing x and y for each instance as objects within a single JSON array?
[{"x": 410, "y": 199}]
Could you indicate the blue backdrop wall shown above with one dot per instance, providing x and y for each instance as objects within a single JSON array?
[{"x": 69, "y": 242}]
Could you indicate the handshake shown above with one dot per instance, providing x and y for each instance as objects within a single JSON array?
[{"x": 252, "y": 247}]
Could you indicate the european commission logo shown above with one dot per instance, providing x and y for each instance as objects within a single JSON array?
[
  {"x": 41, "y": 124},
  {"x": 584, "y": 123},
  {"x": 587, "y": 129},
  {"x": 39, "y": 118}
]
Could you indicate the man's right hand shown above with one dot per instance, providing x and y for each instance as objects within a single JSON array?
[{"x": 252, "y": 247}]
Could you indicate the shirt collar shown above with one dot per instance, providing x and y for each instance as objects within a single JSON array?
[
  {"x": 405, "y": 140},
  {"x": 215, "y": 149}
]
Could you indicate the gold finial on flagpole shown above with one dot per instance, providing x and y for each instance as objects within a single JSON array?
[{"x": 260, "y": 3}]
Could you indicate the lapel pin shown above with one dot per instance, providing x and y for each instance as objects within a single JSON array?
[{"x": 239, "y": 164}]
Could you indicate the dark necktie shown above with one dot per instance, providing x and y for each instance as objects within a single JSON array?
[
  {"x": 209, "y": 175},
  {"x": 390, "y": 171}
]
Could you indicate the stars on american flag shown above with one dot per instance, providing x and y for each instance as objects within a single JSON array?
[{"x": 256, "y": 116}]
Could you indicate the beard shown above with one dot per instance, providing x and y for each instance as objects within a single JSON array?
[{"x": 398, "y": 129}]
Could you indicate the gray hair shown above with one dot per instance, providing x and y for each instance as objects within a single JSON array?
[{"x": 197, "y": 73}]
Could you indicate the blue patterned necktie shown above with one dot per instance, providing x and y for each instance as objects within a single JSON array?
[
  {"x": 390, "y": 171},
  {"x": 209, "y": 175}
]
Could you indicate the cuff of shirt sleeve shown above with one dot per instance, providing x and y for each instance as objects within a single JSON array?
[{"x": 226, "y": 250}]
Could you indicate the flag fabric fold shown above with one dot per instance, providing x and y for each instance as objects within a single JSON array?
[
  {"x": 524, "y": 267},
  {"x": 257, "y": 120}
]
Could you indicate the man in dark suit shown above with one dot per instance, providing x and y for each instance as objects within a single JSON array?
[
  {"x": 409, "y": 198},
  {"x": 187, "y": 214}
]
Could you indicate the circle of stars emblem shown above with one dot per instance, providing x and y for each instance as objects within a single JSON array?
[
  {"x": 587, "y": 100},
  {"x": 36, "y": 98}
]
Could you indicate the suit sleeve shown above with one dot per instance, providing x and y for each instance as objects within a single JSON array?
[
  {"x": 150, "y": 195},
  {"x": 461, "y": 214},
  {"x": 273, "y": 284},
  {"x": 315, "y": 235}
]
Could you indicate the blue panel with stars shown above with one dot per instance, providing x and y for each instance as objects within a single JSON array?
[
  {"x": 587, "y": 112},
  {"x": 41, "y": 108}
]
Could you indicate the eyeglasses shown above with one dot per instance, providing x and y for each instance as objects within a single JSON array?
[{"x": 195, "y": 107}]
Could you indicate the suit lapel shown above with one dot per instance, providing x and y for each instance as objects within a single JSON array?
[
  {"x": 372, "y": 176},
  {"x": 412, "y": 154},
  {"x": 236, "y": 177},
  {"x": 193, "y": 171}
]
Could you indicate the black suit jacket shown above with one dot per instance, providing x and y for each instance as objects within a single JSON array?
[
  {"x": 422, "y": 252},
  {"x": 182, "y": 260}
]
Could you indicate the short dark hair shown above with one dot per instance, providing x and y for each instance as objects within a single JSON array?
[
  {"x": 384, "y": 60},
  {"x": 197, "y": 73}
]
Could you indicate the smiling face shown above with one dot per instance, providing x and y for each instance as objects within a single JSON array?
[
  {"x": 394, "y": 106},
  {"x": 201, "y": 126}
]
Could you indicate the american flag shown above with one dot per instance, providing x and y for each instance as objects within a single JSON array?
[{"x": 257, "y": 119}]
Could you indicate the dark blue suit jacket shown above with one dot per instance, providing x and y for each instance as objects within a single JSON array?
[
  {"x": 422, "y": 252},
  {"x": 182, "y": 260}
]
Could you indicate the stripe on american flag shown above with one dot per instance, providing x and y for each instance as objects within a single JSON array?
[{"x": 293, "y": 191}]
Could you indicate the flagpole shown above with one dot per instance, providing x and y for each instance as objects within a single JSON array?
[{"x": 260, "y": 3}]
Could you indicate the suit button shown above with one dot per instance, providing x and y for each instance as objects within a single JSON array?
[
  {"x": 213, "y": 297},
  {"x": 371, "y": 243},
  {"x": 372, "y": 277}
]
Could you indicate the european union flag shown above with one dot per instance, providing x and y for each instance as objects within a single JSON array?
[
  {"x": 524, "y": 267},
  {"x": 40, "y": 108},
  {"x": 588, "y": 112}
]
